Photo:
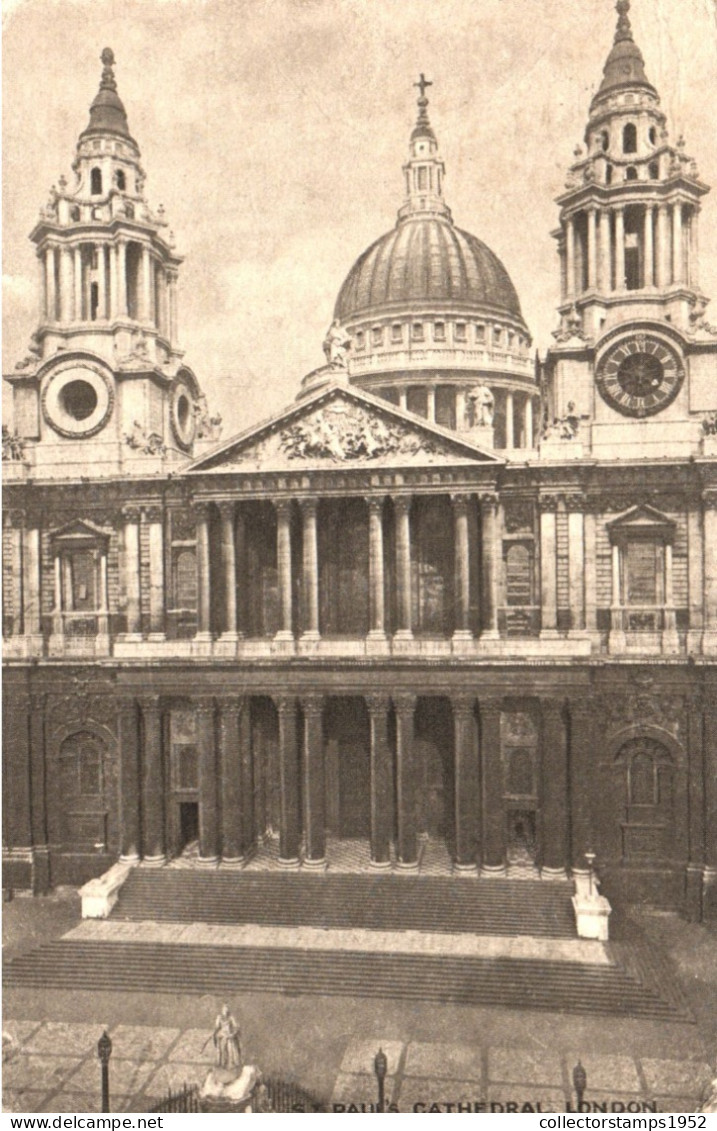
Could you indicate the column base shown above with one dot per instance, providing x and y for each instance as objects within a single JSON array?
[
  {"x": 379, "y": 865},
  {"x": 549, "y": 634},
  {"x": 207, "y": 861},
  {"x": 160, "y": 637},
  {"x": 462, "y": 640},
  {"x": 289, "y": 863},
  {"x": 406, "y": 865},
  {"x": 130, "y": 858},
  {"x": 403, "y": 640},
  {"x": 616, "y": 642},
  {"x": 310, "y": 865},
  {"x": 553, "y": 874},
  {"x": 154, "y": 861},
  {"x": 309, "y": 641},
  {"x": 284, "y": 641},
  {"x": 489, "y": 634},
  {"x": 128, "y": 638},
  {"x": 234, "y": 863},
  {"x": 493, "y": 871},
  {"x": 202, "y": 644},
  {"x": 465, "y": 870},
  {"x": 377, "y": 642}
]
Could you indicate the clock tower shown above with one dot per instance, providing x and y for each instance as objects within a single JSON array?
[
  {"x": 103, "y": 389},
  {"x": 632, "y": 371}
]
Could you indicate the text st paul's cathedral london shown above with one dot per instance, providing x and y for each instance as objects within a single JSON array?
[{"x": 454, "y": 599}]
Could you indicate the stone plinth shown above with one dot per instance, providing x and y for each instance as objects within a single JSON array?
[{"x": 100, "y": 895}]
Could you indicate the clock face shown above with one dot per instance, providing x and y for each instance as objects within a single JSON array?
[
  {"x": 77, "y": 399},
  {"x": 640, "y": 375}
]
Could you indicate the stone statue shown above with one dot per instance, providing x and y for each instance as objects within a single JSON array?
[
  {"x": 337, "y": 344},
  {"x": 480, "y": 403},
  {"x": 227, "y": 1041}
]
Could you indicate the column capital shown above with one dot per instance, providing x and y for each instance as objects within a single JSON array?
[
  {"x": 149, "y": 702},
  {"x": 282, "y": 507},
  {"x": 312, "y": 705},
  {"x": 226, "y": 510},
  {"x": 285, "y": 704},
  {"x": 709, "y": 499},
  {"x": 153, "y": 513},
  {"x": 552, "y": 708},
  {"x": 402, "y": 503},
  {"x": 460, "y": 501},
  {"x": 548, "y": 504},
  {"x": 204, "y": 706},
  {"x": 16, "y": 517},
  {"x": 375, "y": 503},
  {"x": 574, "y": 502},
  {"x": 463, "y": 706},
  {"x": 200, "y": 509},
  {"x": 309, "y": 505},
  {"x": 490, "y": 708},
  {"x": 377, "y": 703},
  {"x": 226, "y": 703},
  {"x": 488, "y": 500},
  {"x": 404, "y": 703},
  {"x": 131, "y": 512},
  {"x": 37, "y": 700}
]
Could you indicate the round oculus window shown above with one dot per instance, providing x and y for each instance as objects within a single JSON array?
[
  {"x": 77, "y": 399},
  {"x": 183, "y": 417}
]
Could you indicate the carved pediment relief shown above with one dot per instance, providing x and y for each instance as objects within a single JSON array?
[{"x": 343, "y": 427}]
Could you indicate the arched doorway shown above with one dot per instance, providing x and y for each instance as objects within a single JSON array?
[{"x": 648, "y": 822}]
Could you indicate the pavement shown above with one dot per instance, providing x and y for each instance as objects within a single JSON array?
[{"x": 52, "y": 1066}]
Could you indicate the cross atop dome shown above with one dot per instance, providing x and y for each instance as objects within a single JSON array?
[{"x": 423, "y": 126}]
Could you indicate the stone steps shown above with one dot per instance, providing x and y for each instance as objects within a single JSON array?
[
  {"x": 141, "y": 967},
  {"x": 452, "y": 905}
]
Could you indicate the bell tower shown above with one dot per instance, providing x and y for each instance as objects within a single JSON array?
[
  {"x": 632, "y": 341},
  {"x": 104, "y": 363}
]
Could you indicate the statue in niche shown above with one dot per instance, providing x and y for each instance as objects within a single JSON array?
[
  {"x": 208, "y": 427},
  {"x": 480, "y": 404},
  {"x": 337, "y": 344}
]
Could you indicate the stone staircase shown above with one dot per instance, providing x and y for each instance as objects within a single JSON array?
[
  {"x": 388, "y": 903},
  {"x": 630, "y": 984}
]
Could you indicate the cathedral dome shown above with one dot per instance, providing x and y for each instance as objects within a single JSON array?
[{"x": 427, "y": 261}]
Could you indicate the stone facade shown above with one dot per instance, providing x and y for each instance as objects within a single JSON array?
[{"x": 445, "y": 594}]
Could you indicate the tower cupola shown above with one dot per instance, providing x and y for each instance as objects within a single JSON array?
[{"x": 424, "y": 171}]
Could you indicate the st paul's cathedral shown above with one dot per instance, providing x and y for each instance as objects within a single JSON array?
[{"x": 454, "y": 609}]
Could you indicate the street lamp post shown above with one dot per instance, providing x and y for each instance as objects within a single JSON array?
[
  {"x": 104, "y": 1052},
  {"x": 380, "y": 1067},
  {"x": 580, "y": 1080}
]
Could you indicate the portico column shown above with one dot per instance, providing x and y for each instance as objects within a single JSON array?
[
  {"x": 102, "y": 259},
  {"x": 548, "y": 567},
  {"x": 528, "y": 422},
  {"x": 51, "y": 284},
  {"x": 461, "y": 549},
  {"x": 231, "y": 788},
  {"x": 619, "y": 249},
  {"x": 201, "y": 511},
  {"x": 570, "y": 256},
  {"x": 694, "y": 263},
  {"x": 381, "y": 781},
  {"x": 121, "y": 264},
  {"x": 407, "y": 841},
  {"x": 41, "y": 289},
  {"x": 204, "y": 712},
  {"x": 555, "y": 790},
  {"x": 229, "y": 570},
  {"x": 131, "y": 570},
  {"x": 663, "y": 246},
  {"x": 403, "y": 399},
  {"x": 402, "y": 511},
  {"x": 31, "y": 578},
  {"x": 77, "y": 273},
  {"x": 17, "y": 522},
  {"x": 172, "y": 296},
  {"x": 490, "y": 557},
  {"x": 146, "y": 314},
  {"x": 153, "y": 843},
  {"x": 590, "y": 570},
  {"x": 670, "y": 639},
  {"x": 129, "y": 783},
  {"x": 509, "y": 422},
  {"x": 310, "y": 553},
  {"x": 431, "y": 403},
  {"x": 154, "y": 516},
  {"x": 66, "y": 284},
  {"x": 377, "y": 582},
  {"x": 57, "y": 621},
  {"x": 283, "y": 562},
  {"x": 649, "y": 248},
  {"x": 288, "y": 783},
  {"x": 605, "y": 251},
  {"x": 582, "y": 716},
  {"x": 576, "y": 562},
  {"x": 491, "y": 771},
  {"x": 677, "y": 265},
  {"x": 710, "y": 572},
  {"x": 592, "y": 242},
  {"x": 314, "y": 786},
  {"x": 113, "y": 278},
  {"x": 709, "y": 894},
  {"x": 467, "y": 804},
  {"x": 240, "y": 556}
]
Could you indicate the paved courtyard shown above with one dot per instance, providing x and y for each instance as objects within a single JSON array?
[{"x": 52, "y": 1066}]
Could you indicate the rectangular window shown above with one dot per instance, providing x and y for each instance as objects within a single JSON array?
[
  {"x": 480, "y": 333},
  {"x": 510, "y": 340},
  {"x": 417, "y": 331},
  {"x": 359, "y": 340},
  {"x": 460, "y": 331},
  {"x": 439, "y": 332},
  {"x": 643, "y": 562},
  {"x": 397, "y": 332},
  {"x": 377, "y": 335},
  {"x": 422, "y": 178},
  {"x": 185, "y": 577},
  {"x": 497, "y": 336}
]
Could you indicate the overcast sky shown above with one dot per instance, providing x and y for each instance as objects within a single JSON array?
[{"x": 273, "y": 131}]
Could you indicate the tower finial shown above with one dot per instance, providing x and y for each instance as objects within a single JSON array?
[
  {"x": 422, "y": 123},
  {"x": 624, "y": 29},
  {"x": 107, "y": 59}
]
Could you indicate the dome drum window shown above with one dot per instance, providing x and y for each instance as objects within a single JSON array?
[
  {"x": 397, "y": 333},
  {"x": 417, "y": 331},
  {"x": 439, "y": 332}
]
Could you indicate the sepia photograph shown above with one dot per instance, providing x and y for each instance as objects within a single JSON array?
[{"x": 359, "y": 571}]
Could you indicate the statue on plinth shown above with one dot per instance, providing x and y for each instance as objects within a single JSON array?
[
  {"x": 480, "y": 404},
  {"x": 337, "y": 344}
]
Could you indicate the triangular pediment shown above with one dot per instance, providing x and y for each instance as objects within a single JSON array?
[
  {"x": 79, "y": 530},
  {"x": 339, "y": 427},
  {"x": 641, "y": 517}
]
